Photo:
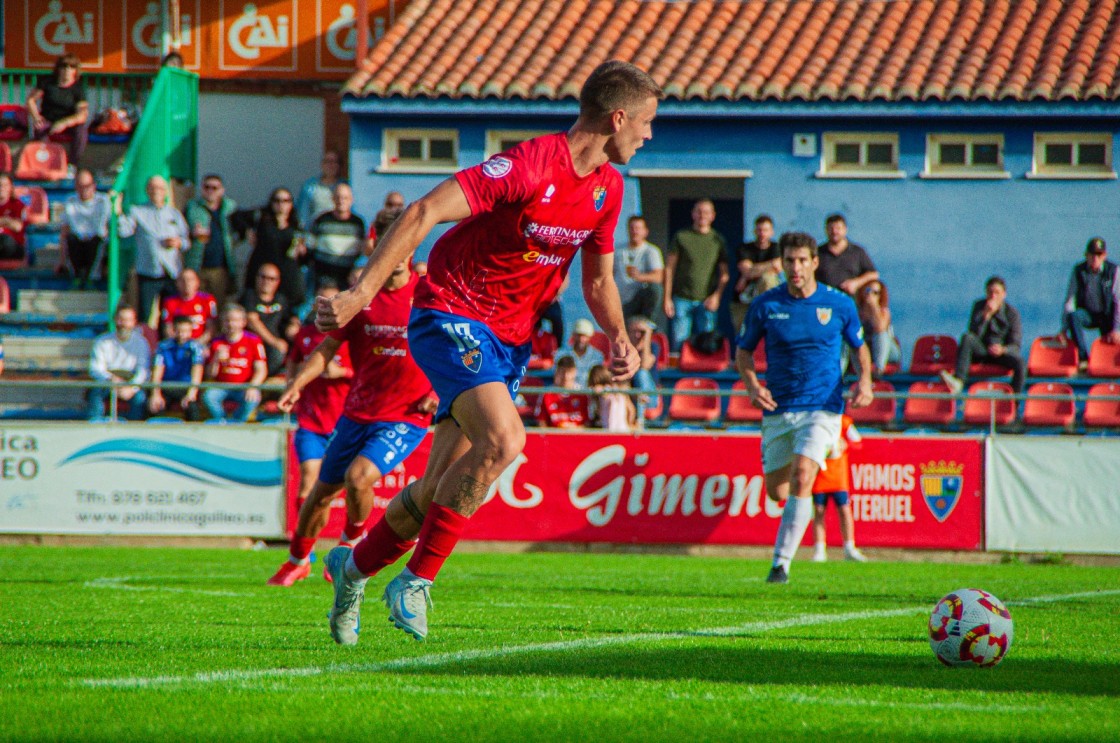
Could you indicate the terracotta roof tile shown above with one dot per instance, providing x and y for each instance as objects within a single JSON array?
[{"x": 762, "y": 50}]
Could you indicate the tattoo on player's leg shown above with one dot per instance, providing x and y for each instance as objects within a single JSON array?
[
  {"x": 469, "y": 495},
  {"x": 410, "y": 504}
]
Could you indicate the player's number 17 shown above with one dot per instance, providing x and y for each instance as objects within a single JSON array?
[{"x": 460, "y": 332}]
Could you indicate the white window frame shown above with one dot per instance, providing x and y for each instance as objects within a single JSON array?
[
  {"x": 936, "y": 169},
  {"x": 494, "y": 138},
  {"x": 391, "y": 161},
  {"x": 1041, "y": 170},
  {"x": 830, "y": 169}
]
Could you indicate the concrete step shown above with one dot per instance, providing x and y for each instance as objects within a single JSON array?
[
  {"x": 39, "y": 354},
  {"x": 54, "y": 302}
]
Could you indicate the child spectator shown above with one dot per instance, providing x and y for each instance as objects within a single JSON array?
[
  {"x": 561, "y": 409},
  {"x": 615, "y": 410},
  {"x": 834, "y": 482},
  {"x": 179, "y": 358}
]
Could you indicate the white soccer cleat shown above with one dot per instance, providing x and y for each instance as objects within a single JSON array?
[
  {"x": 407, "y": 599},
  {"x": 345, "y": 616},
  {"x": 819, "y": 555},
  {"x": 854, "y": 555}
]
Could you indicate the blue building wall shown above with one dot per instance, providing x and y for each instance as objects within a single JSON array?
[{"x": 935, "y": 241}]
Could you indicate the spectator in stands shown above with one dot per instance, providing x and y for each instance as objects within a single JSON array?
[
  {"x": 13, "y": 221},
  {"x": 581, "y": 351},
  {"x": 390, "y": 210},
  {"x": 995, "y": 336},
  {"x": 873, "y": 303},
  {"x": 316, "y": 195},
  {"x": 1092, "y": 300},
  {"x": 121, "y": 356},
  {"x": 614, "y": 410},
  {"x": 695, "y": 275},
  {"x": 563, "y": 409},
  {"x": 58, "y": 104},
  {"x": 277, "y": 239},
  {"x": 760, "y": 268},
  {"x": 198, "y": 306},
  {"x": 843, "y": 264},
  {"x": 161, "y": 238},
  {"x": 172, "y": 59},
  {"x": 179, "y": 358},
  {"x": 639, "y": 270},
  {"x": 237, "y": 357},
  {"x": 269, "y": 316},
  {"x": 212, "y": 234},
  {"x": 641, "y": 330},
  {"x": 85, "y": 226},
  {"x": 337, "y": 238}
]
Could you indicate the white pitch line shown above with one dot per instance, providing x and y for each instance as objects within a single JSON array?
[
  {"x": 120, "y": 585},
  {"x": 443, "y": 659}
]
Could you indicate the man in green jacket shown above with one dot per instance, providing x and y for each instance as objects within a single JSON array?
[{"x": 211, "y": 253}]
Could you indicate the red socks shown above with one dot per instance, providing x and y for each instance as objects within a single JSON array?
[
  {"x": 381, "y": 548},
  {"x": 351, "y": 533},
  {"x": 438, "y": 537},
  {"x": 301, "y": 547}
]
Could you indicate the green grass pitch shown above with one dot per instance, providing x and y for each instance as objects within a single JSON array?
[{"x": 158, "y": 644}]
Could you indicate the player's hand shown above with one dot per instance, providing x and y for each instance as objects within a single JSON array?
[
  {"x": 762, "y": 399},
  {"x": 288, "y": 399},
  {"x": 428, "y": 405},
  {"x": 625, "y": 361},
  {"x": 332, "y": 314},
  {"x": 864, "y": 395}
]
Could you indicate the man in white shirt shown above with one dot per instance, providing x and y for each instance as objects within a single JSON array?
[
  {"x": 582, "y": 352},
  {"x": 161, "y": 238},
  {"x": 85, "y": 225},
  {"x": 639, "y": 270},
  {"x": 123, "y": 357}
]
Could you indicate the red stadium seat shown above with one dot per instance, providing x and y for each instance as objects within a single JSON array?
[
  {"x": 600, "y": 341},
  {"x": 5, "y": 158},
  {"x": 980, "y": 369},
  {"x": 1102, "y": 413},
  {"x": 150, "y": 335},
  {"x": 693, "y": 361},
  {"x": 544, "y": 349},
  {"x": 38, "y": 206},
  {"x": 42, "y": 161},
  {"x": 981, "y": 401},
  {"x": 932, "y": 354},
  {"x": 661, "y": 348},
  {"x": 527, "y": 403},
  {"x": 13, "y": 123},
  {"x": 936, "y": 411},
  {"x": 702, "y": 408},
  {"x": 655, "y": 408},
  {"x": 1059, "y": 412},
  {"x": 1104, "y": 359},
  {"x": 1052, "y": 357},
  {"x": 739, "y": 409},
  {"x": 882, "y": 410}
]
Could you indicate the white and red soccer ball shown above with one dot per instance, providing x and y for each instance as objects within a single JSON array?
[{"x": 970, "y": 627}]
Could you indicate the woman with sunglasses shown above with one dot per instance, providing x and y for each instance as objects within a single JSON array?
[
  {"x": 277, "y": 239},
  {"x": 873, "y": 303},
  {"x": 58, "y": 104}
]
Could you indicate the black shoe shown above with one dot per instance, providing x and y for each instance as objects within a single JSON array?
[{"x": 777, "y": 575}]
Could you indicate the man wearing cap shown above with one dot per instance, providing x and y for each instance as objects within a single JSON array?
[
  {"x": 1092, "y": 300},
  {"x": 582, "y": 352}
]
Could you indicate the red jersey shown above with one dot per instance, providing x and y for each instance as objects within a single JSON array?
[
  {"x": 320, "y": 402},
  {"x": 201, "y": 309},
  {"x": 530, "y": 215},
  {"x": 837, "y": 476},
  {"x": 388, "y": 385},
  {"x": 235, "y": 359},
  {"x": 560, "y": 410},
  {"x": 13, "y": 208}
]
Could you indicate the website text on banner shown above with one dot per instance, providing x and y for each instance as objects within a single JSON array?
[
  {"x": 1053, "y": 494},
  {"x": 142, "y": 480},
  {"x": 923, "y": 493}
]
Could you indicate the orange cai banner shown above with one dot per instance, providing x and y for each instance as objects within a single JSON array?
[{"x": 286, "y": 39}]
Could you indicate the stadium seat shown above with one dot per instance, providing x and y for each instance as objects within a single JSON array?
[
  {"x": 38, "y": 205},
  {"x": 600, "y": 341},
  {"x": 655, "y": 408},
  {"x": 981, "y": 401},
  {"x": 936, "y": 411},
  {"x": 693, "y": 361},
  {"x": 1102, "y": 413},
  {"x": 527, "y": 402},
  {"x": 42, "y": 161},
  {"x": 1056, "y": 412},
  {"x": 933, "y": 354},
  {"x": 5, "y": 297},
  {"x": 544, "y": 349},
  {"x": 1052, "y": 357},
  {"x": 980, "y": 369},
  {"x": 13, "y": 123},
  {"x": 882, "y": 410},
  {"x": 150, "y": 335},
  {"x": 739, "y": 409},
  {"x": 1104, "y": 359},
  {"x": 700, "y": 408},
  {"x": 660, "y": 343},
  {"x": 5, "y": 157}
]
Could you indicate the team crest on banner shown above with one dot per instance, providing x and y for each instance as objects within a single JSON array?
[
  {"x": 472, "y": 359},
  {"x": 824, "y": 314},
  {"x": 600, "y": 195},
  {"x": 941, "y": 487}
]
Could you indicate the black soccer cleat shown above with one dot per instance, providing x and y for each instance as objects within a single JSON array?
[{"x": 777, "y": 575}]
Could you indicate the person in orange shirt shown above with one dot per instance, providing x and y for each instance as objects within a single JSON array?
[{"x": 834, "y": 482}]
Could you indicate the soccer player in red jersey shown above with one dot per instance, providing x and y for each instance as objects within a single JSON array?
[
  {"x": 190, "y": 302},
  {"x": 237, "y": 357},
  {"x": 384, "y": 418},
  {"x": 522, "y": 218}
]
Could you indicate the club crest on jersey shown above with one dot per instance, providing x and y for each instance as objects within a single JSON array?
[
  {"x": 472, "y": 359},
  {"x": 600, "y": 195},
  {"x": 497, "y": 167},
  {"x": 824, "y": 314}
]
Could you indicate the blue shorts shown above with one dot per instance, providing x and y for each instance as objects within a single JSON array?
[
  {"x": 384, "y": 444},
  {"x": 310, "y": 445},
  {"x": 839, "y": 497},
  {"x": 458, "y": 354}
]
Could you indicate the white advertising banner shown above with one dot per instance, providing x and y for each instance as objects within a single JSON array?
[
  {"x": 185, "y": 480},
  {"x": 1053, "y": 494}
]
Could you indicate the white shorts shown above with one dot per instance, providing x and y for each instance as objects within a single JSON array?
[{"x": 810, "y": 433}]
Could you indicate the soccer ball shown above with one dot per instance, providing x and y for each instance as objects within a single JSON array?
[{"x": 970, "y": 627}]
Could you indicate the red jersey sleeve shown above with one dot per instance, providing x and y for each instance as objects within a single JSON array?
[
  {"x": 165, "y": 311},
  {"x": 508, "y": 178}
]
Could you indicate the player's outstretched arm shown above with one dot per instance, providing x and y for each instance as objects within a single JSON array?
[
  {"x": 601, "y": 294},
  {"x": 760, "y": 396},
  {"x": 312, "y": 368},
  {"x": 445, "y": 203}
]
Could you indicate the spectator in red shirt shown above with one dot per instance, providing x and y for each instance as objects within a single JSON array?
[
  {"x": 560, "y": 409},
  {"x": 13, "y": 219},
  {"x": 199, "y": 306},
  {"x": 236, "y": 357}
]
